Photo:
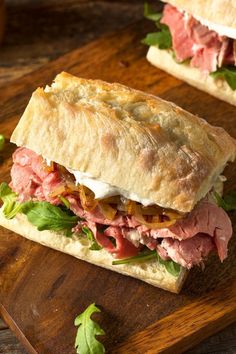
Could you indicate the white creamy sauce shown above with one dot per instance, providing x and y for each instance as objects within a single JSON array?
[{"x": 105, "y": 190}]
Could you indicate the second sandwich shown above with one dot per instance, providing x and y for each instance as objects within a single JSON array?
[{"x": 196, "y": 42}]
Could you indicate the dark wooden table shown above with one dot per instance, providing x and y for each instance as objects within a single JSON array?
[{"x": 39, "y": 31}]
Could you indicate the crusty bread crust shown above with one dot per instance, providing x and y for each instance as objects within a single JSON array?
[
  {"x": 219, "y": 88},
  {"x": 151, "y": 272},
  {"x": 216, "y": 11},
  {"x": 129, "y": 139}
]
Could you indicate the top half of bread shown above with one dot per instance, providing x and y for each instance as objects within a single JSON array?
[
  {"x": 222, "y": 12},
  {"x": 129, "y": 139}
]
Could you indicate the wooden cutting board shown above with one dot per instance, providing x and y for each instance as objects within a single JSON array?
[{"x": 42, "y": 291}]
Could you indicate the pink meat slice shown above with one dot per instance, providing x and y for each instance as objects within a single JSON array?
[
  {"x": 182, "y": 42},
  {"x": 30, "y": 179},
  {"x": 188, "y": 252},
  {"x": 206, "y": 218},
  {"x": 122, "y": 247},
  {"x": 192, "y": 40},
  {"x": 205, "y": 59},
  {"x": 189, "y": 240}
]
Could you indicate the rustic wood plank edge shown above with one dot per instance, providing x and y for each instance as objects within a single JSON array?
[
  {"x": 197, "y": 327},
  {"x": 15, "y": 329}
]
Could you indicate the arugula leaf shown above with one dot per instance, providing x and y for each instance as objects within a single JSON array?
[
  {"x": 10, "y": 204},
  {"x": 228, "y": 73},
  {"x": 162, "y": 38},
  {"x": 150, "y": 14},
  {"x": 2, "y": 142},
  {"x": 141, "y": 257},
  {"x": 171, "y": 266},
  {"x": 64, "y": 201},
  {"x": 86, "y": 342},
  {"x": 88, "y": 233},
  {"x": 46, "y": 216},
  {"x": 228, "y": 203}
]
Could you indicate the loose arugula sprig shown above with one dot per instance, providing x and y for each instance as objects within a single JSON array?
[
  {"x": 228, "y": 203},
  {"x": 86, "y": 342},
  {"x": 171, "y": 267},
  {"x": 162, "y": 38},
  {"x": 227, "y": 73},
  {"x": 88, "y": 233},
  {"x": 2, "y": 142}
]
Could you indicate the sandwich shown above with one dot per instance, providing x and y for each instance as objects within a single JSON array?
[
  {"x": 196, "y": 42},
  {"x": 118, "y": 178}
]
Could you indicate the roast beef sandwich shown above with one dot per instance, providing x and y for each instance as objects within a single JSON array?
[
  {"x": 118, "y": 178},
  {"x": 196, "y": 42}
]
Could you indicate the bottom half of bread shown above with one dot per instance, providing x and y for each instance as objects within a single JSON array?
[
  {"x": 164, "y": 60},
  {"x": 78, "y": 246}
]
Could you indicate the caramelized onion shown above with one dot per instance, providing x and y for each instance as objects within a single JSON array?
[
  {"x": 87, "y": 199},
  {"x": 50, "y": 168},
  {"x": 130, "y": 207},
  {"x": 151, "y": 210},
  {"x": 58, "y": 191},
  {"x": 107, "y": 211},
  {"x": 111, "y": 200},
  {"x": 154, "y": 224}
]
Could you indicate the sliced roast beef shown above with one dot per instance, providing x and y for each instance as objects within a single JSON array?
[
  {"x": 192, "y": 40},
  {"x": 30, "y": 179},
  {"x": 206, "y": 228},
  {"x": 122, "y": 248},
  {"x": 188, "y": 252},
  {"x": 182, "y": 42},
  {"x": 206, "y": 218}
]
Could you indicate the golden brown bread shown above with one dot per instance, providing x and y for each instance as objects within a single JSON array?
[
  {"x": 126, "y": 138},
  {"x": 77, "y": 246},
  {"x": 219, "y": 88},
  {"x": 222, "y": 12}
]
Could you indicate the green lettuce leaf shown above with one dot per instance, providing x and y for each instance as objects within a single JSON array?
[
  {"x": 171, "y": 266},
  {"x": 64, "y": 201},
  {"x": 86, "y": 342},
  {"x": 46, "y": 216},
  {"x": 227, "y": 73},
  {"x": 162, "y": 38},
  {"x": 150, "y": 14},
  {"x": 88, "y": 233},
  {"x": 10, "y": 204},
  {"x": 141, "y": 257},
  {"x": 2, "y": 142},
  {"x": 228, "y": 203}
]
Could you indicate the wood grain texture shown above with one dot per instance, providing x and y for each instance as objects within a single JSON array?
[
  {"x": 205, "y": 315},
  {"x": 52, "y": 288},
  {"x": 38, "y": 31}
]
